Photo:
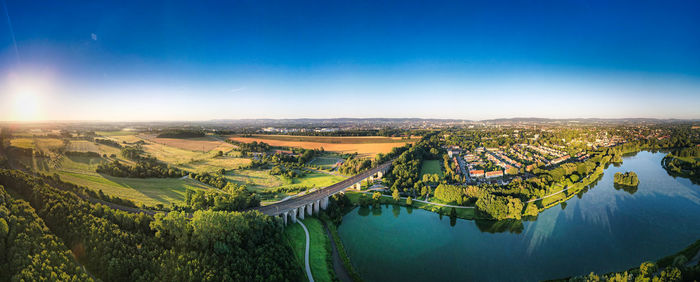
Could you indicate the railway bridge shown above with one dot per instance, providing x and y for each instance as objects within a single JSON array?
[{"x": 311, "y": 203}]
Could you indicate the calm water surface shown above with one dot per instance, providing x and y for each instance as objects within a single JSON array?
[{"x": 603, "y": 230}]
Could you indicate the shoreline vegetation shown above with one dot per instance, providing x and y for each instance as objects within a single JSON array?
[
  {"x": 683, "y": 162},
  {"x": 674, "y": 267},
  {"x": 627, "y": 179}
]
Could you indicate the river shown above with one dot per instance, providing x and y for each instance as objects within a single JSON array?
[{"x": 603, "y": 229}]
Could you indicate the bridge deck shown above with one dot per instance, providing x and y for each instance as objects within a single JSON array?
[{"x": 277, "y": 208}]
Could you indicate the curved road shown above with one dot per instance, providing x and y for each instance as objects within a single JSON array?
[{"x": 306, "y": 252}]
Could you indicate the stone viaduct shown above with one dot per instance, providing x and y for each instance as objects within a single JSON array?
[{"x": 312, "y": 202}]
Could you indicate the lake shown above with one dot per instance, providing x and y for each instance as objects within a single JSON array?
[{"x": 602, "y": 230}]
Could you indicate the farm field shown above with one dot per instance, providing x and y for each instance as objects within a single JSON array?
[
  {"x": 214, "y": 164},
  {"x": 333, "y": 139},
  {"x": 87, "y": 146},
  {"x": 173, "y": 155},
  {"x": 43, "y": 144},
  {"x": 202, "y": 144},
  {"x": 128, "y": 138},
  {"x": 47, "y": 144},
  {"x": 148, "y": 191},
  {"x": 83, "y": 146},
  {"x": 431, "y": 167},
  {"x": 26, "y": 143},
  {"x": 81, "y": 171},
  {"x": 366, "y": 146},
  {"x": 184, "y": 152},
  {"x": 116, "y": 133}
]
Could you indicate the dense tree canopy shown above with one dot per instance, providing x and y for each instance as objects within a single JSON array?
[{"x": 114, "y": 245}]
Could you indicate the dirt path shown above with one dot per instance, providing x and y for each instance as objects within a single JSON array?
[
  {"x": 306, "y": 252},
  {"x": 425, "y": 202},
  {"x": 340, "y": 272}
]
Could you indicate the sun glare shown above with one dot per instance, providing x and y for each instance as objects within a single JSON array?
[
  {"x": 25, "y": 96},
  {"x": 26, "y": 107}
]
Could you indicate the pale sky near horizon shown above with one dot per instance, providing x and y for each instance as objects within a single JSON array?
[{"x": 476, "y": 60}]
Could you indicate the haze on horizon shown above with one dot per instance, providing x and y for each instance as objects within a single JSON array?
[{"x": 167, "y": 60}]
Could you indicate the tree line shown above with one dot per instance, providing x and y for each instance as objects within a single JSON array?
[
  {"x": 114, "y": 245},
  {"x": 108, "y": 142},
  {"x": 181, "y": 133}
]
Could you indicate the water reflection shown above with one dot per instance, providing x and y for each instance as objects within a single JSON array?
[
  {"x": 628, "y": 189},
  {"x": 500, "y": 226},
  {"x": 396, "y": 210},
  {"x": 604, "y": 228}
]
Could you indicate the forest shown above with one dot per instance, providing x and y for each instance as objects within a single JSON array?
[{"x": 114, "y": 245}]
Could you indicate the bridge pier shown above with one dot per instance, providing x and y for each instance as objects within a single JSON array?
[
  {"x": 310, "y": 208},
  {"x": 316, "y": 207},
  {"x": 357, "y": 186},
  {"x": 284, "y": 215},
  {"x": 294, "y": 215},
  {"x": 380, "y": 174},
  {"x": 301, "y": 212},
  {"x": 324, "y": 203}
]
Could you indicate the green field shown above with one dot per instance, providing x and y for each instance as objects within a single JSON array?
[
  {"x": 214, "y": 164},
  {"x": 319, "y": 250},
  {"x": 325, "y": 162},
  {"x": 148, "y": 191},
  {"x": 261, "y": 179},
  {"x": 431, "y": 167},
  {"x": 115, "y": 133},
  {"x": 27, "y": 143}
]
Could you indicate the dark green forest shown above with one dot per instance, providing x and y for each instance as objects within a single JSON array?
[{"x": 55, "y": 231}]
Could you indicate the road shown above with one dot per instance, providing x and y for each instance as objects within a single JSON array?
[{"x": 277, "y": 208}]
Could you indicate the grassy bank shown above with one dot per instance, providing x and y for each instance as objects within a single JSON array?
[
  {"x": 342, "y": 253},
  {"x": 320, "y": 258},
  {"x": 464, "y": 213}
]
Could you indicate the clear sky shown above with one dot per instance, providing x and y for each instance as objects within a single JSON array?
[{"x": 200, "y": 60}]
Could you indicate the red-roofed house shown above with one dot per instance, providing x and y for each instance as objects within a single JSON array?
[{"x": 494, "y": 174}]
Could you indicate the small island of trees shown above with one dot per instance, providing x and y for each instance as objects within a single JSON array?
[{"x": 626, "y": 179}]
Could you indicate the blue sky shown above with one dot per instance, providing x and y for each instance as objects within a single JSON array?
[{"x": 199, "y": 60}]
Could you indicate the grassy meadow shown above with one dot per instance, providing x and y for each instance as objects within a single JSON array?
[
  {"x": 325, "y": 162},
  {"x": 431, "y": 167},
  {"x": 319, "y": 248},
  {"x": 148, "y": 191},
  {"x": 261, "y": 180}
]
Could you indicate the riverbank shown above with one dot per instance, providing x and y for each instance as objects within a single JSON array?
[
  {"x": 462, "y": 212},
  {"x": 348, "y": 270},
  {"x": 681, "y": 264}
]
